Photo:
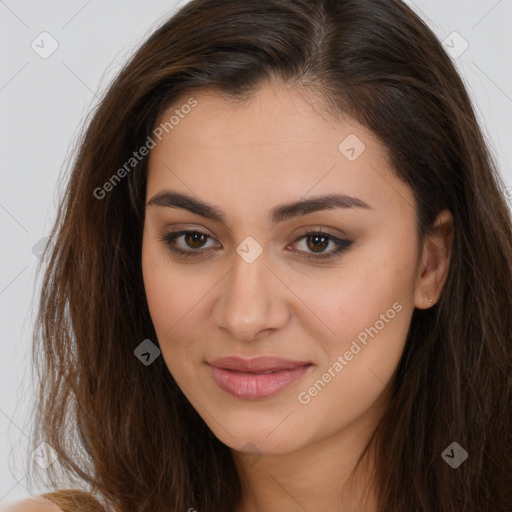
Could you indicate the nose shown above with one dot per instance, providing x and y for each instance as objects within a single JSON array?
[{"x": 252, "y": 300}]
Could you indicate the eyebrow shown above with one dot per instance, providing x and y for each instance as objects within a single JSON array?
[{"x": 280, "y": 213}]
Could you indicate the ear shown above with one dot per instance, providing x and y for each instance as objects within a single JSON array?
[{"x": 435, "y": 261}]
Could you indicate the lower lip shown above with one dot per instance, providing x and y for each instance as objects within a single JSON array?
[{"x": 250, "y": 386}]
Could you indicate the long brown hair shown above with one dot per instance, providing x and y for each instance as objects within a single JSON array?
[{"x": 124, "y": 431}]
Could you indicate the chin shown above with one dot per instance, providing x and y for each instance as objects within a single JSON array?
[{"x": 257, "y": 440}]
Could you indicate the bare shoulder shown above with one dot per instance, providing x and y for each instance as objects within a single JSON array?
[
  {"x": 62, "y": 500},
  {"x": 35, "y": 504}
]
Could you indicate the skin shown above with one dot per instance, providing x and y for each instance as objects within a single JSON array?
[
  {"x": 36, "y": 504},
  {"x": 246, "y": 159}
]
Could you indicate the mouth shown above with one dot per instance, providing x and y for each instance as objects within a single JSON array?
[{"x": 254, "y": 379}]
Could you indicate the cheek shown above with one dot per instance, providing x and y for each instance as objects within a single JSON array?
[
  {"x": 177, "y": 301},
  {"x": 172, "y": 292},
  {"x": 351, "y": 298},
  {"x": 365, "y": 323},
  {"x": 168, "y": 297},
  {"x": 355, "y": 366},
  {"x": 356, "y": 371},
  {"x": 368, "y": 310},
  {"x": 168, "y": 311}
]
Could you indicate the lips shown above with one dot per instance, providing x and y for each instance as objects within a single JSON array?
[
  {"x": 254, "y": 379},
  {"x": 264, "y": 364}
]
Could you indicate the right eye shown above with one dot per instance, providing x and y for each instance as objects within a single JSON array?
[{"x": 191, "y": 241}]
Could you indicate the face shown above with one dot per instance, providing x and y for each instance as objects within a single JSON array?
[{"x": 248, "y": 265}]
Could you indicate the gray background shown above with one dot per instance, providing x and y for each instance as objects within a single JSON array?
[{"x": 43, "y": 102}]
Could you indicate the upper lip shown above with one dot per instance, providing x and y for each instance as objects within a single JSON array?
[{"x": 257, "y": 364}]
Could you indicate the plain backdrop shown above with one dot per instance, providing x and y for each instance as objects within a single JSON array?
[{"x": 43, "y": 102}]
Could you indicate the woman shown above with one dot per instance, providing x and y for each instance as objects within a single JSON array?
[{"x": 281, "y": 277}]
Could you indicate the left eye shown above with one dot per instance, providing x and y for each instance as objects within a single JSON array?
[
  {"x": 318, "y": 241},
  {"x": 193, "y": 243}
]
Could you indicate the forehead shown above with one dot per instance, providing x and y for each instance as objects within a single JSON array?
[{"x": 279, "y": 145}]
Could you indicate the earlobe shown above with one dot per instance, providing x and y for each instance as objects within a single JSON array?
[{"x": 435, "y": 262}]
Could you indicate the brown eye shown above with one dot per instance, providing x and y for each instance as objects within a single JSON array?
[
  {"x": 194, "y": 239},
  {"x": 317, "y": 242},
  {"x": 187, "y": 242}
]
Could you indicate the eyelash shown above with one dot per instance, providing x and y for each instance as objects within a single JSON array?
[{"x": 342, "y": 244}]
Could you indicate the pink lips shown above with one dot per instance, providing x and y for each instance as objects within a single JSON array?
[{"x": 244, "y": 378}]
